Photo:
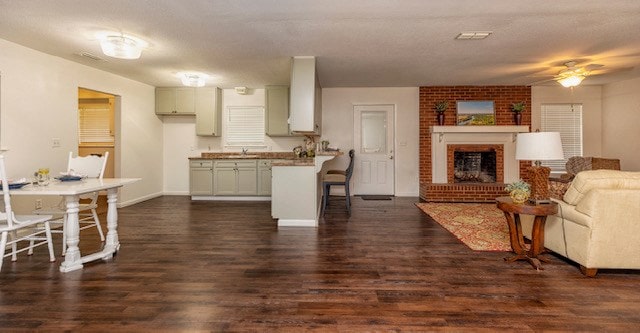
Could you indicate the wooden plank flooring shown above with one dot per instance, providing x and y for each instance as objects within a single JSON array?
[{"x": 225, "y": 266}]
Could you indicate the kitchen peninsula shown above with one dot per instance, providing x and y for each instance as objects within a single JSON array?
[
  {"x": 296, "y": 191},
  {"x": 292, "y": 183}
]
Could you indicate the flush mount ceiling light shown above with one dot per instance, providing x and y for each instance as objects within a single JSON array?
[
  {"x": 122, "y": 46},
  {"x": 191, "y": 79},
  {"x": 467, "y": 35}
]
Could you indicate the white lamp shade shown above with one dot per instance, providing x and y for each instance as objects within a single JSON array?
[
  {"x": 539, "y": 146},
  {"x": 120, "y": 47}
]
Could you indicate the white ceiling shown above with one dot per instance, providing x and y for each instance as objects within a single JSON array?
[{"x": 358, "y": 43}]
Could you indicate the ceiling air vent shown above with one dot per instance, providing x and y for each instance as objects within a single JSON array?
[
  {"x": 466, "y": 35},
  {"x": 90, "y": 56}
]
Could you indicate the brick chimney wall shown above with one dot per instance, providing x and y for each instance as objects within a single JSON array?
[{"x": 502, "y": 96}]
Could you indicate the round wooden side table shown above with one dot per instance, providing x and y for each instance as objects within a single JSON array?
[{"x": 512, "y": 213}]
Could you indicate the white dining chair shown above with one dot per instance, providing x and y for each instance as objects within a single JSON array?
[
  {"x": 21, "y": 227},
  {"x": 90, "y": 166}
]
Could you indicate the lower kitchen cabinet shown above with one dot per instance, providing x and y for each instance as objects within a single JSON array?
[
  {"x": 264, "y": 177},
  {"x": 238, "y": 177},
  {"x": 201, "y": 177},
  {"x": 245, "y": 177}
]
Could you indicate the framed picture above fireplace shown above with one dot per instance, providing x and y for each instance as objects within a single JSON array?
[{"x": 475, "y": 113}]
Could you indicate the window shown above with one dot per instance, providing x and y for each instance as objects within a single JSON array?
[
  {"x": 95, "y": 121},
  {"x": 566, "y": 119},
  {"x": 245, "y": 126}
]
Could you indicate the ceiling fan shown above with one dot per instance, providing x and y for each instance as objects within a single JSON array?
[{"x": 572, "y": 75}]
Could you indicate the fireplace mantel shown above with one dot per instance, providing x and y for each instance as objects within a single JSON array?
[
  {"x": 479, "y": 129},
  {"x": 506, "y": 136}
]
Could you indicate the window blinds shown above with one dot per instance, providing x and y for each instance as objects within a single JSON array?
[
  {"x": 94, "y": 123},
  {"x": 566, "y": 119},
  {"x": 245, "y": 126}
]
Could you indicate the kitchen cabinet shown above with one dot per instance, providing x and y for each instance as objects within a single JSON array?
[
  {"x": 277, "y": 111},
  {"x": 305, "y": 102},
  {"x": 175, "y": 101},
  {"x": 201, "y": 177},
  {"x": 208, "y": 110},
  {"x": 264, "y": 177},
  {"x": 236, "y": 177}
]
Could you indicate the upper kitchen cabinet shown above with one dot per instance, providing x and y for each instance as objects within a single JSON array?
[
  {"x": 208, "y": 105},
  {"x": 175, "y": 101},
  {"x": 277, "y": 110},
  {"x": 305, "y": 104}
]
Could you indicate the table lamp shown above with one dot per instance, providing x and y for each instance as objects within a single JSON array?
[{"x": 539, "y": 146}]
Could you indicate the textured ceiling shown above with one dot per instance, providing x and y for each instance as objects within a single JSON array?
[{"x": 358, "y": 43}]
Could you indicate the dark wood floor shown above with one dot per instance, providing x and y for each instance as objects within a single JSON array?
[{"x": 224, "y": 266}]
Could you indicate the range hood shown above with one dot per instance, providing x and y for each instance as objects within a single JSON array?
[{"x": 305, "y": 101}]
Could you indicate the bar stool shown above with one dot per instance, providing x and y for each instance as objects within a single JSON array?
[{"x": 338, "y": 177}]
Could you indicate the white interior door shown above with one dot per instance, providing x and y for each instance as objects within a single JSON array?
[{"x": 373, "y": 143}]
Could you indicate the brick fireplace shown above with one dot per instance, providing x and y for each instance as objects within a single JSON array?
[{"x": 438, "y": 144}]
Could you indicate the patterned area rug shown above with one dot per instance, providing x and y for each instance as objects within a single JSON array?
[{"x": 482, "y": 227}]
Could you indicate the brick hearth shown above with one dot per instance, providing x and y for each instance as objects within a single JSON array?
[{"x": 502, "y": 96}]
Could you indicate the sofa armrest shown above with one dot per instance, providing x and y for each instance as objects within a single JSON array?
[{"x": 615, "y": 227}]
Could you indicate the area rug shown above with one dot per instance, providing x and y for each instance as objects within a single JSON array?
[{"x": 481, "y": 227}]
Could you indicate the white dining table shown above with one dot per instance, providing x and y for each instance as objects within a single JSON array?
[{"x": 71, "y": 191}]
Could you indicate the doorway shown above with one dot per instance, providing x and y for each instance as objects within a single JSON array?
[
  {"x": 374, "y": 169},
  {"x": 96, "y": 126},
  {"x": 96, "y": 130}
]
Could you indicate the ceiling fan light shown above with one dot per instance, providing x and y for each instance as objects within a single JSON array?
[
  {"x": 120, "y": 47},
  {"x": 571, "y": 81}
]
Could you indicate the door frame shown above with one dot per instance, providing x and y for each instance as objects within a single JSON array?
[{"x": 357, "y": 139}]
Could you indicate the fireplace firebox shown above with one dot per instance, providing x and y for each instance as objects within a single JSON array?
[
  {"x": 474, "y": 167},
  {"x": 475, "y": 163}
]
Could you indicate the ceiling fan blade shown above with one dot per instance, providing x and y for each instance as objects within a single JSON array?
[{"x": 539, "y": 82}]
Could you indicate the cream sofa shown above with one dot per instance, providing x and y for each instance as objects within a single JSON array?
[{"x": 598, "y": 221}]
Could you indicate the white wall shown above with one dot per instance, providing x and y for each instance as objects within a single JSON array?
[
  {"x": 621, "y": 117},
  {"x": 40, "y": 102},
  {"x": 181, "y": 142},
  {"x": 337, "y": 127},
  {"x": 591, "y": 99}
]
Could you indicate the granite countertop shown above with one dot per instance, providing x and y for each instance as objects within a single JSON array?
[
  {"x": 262, "y": 155},
  {"x": 251, "y": 155}
]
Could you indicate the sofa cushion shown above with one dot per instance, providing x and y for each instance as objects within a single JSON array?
[{"x": 601, "y": 179}]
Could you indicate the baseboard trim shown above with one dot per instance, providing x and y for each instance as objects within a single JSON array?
[
  {"x": 123, "y": 204},
  {"x": 228, "y": 198},
  {"x": 297, "y": 223}
]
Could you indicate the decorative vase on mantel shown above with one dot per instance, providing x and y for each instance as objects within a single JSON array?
[
  {"x": 517, "y": 118},
  {"x": 441, "y": 107},
  {"x": 517, "y": 109}
]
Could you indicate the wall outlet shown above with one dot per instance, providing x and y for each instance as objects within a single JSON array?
[
  {"x": 55, "y": 142},
  {"x": 38, "y": 203}
]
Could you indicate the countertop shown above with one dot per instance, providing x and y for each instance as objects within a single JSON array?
[{"x": 280, "y": 158}]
